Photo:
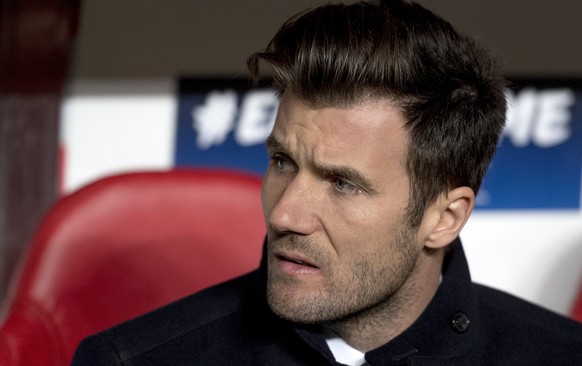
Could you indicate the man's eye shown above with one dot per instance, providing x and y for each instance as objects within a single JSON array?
[
  {"x": 283, "y": 164},
  {"x": 345, "y": 186}
]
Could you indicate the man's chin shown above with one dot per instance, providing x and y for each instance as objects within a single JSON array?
[
  {"x": 298, "y": 308},
  {"x": 295, "y": 315}
]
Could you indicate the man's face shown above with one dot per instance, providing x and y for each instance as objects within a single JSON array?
[{"x": 334, "y": 198}]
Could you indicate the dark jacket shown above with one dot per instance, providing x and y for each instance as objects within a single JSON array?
[{"x": 230, "y": 324}]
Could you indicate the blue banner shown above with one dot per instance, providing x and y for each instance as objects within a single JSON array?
[
  {"x": 224, "y": 124},
  {"x": 538, "y": 164}
]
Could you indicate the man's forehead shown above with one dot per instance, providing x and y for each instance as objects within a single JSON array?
[
  {"x": 368, "y": 138},
  {"x": 369, "y": 122}
]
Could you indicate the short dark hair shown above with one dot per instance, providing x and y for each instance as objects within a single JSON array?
[{"x": 449, "y": 90}]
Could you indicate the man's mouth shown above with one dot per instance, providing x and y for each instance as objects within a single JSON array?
[
  {"x": 294, "y": 264},
  {"x": 296, "y": 261}
]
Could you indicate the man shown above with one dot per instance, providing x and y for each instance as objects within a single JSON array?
[{"x": 387, "y": 122}]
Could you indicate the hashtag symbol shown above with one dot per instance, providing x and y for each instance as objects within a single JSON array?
[{"x": 214, "y": 119}]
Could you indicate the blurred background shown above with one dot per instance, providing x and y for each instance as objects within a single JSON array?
[{"x": 91, "y": 88}]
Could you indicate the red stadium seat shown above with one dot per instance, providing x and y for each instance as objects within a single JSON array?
[
  {"x": 123, "y": 246},
  {"x": 577, "y": 309}
]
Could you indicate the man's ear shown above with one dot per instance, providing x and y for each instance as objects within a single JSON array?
[{"x": 448, "y": 216}]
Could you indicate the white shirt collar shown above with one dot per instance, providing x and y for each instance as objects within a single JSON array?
[{"x": 343, "y": 352}]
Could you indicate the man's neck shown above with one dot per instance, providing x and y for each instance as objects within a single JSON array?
[{"x": 373, "y": 327}]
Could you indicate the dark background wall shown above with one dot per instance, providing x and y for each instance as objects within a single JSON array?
[{"x": 145, "y": 39}]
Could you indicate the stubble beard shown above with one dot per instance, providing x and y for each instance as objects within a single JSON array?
[{"x": 367, "y": 288}]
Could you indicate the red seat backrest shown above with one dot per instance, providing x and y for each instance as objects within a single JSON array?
[
  {"x": 577, "y": 308},
  {"x": 123, "y": 246}
]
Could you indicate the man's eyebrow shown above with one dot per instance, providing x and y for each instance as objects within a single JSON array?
[
  {"x": 346, "y": 172},
  {"x": 272, "y": 142},
  {"x": 275, "y": 145}
]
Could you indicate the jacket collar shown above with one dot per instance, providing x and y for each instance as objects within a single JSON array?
[{"x": 445, "y": 329}]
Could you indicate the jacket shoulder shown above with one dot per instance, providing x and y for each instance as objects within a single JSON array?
[
  {"x": 520, "y": 329},
  {"x": 215, "y": 308}
]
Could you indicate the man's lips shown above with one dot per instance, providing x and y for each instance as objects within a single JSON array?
[
  {"x": 294, "y": 263},
  {"x": 297, "y": 261}
]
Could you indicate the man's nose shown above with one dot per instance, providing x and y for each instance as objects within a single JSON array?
[{"x": 295, "y": 210}]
